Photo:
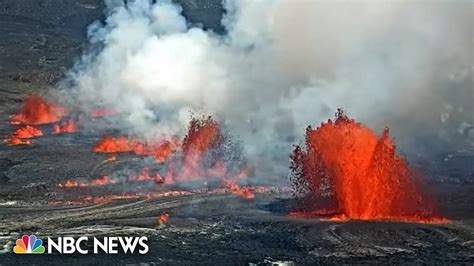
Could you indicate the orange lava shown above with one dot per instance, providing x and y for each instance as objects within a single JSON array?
[
  {"x": 102, "y": 181},
  {"x": 98, "y": 182},
  {"x": 163, "y": 218},
  {"x": 363, "y": 173},
  {"x": 27, "y": 132},
  {"x": 70, "y": 184},
  {"x": 146, "y": 176},
  {"x": 21, "y": 135},
  {"x": 159, "y": 150},
  {"x": 203, "y": 156},
  {"x": 235, "y": 189},
  {"x": 66, "y": 127},
  {"x": 202, "y": 136},
  {"x": 37, "y": 111},
  {"x": 16, "y": 141},
  {"x": 113, "y": 145}
]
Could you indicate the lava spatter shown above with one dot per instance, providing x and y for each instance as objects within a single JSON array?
[
  {"x": 37, "y": 111},
  {"x": 23, "y": 135},
  {"x": 202, "y": 136},
  {"x": 68, "y": 126}
]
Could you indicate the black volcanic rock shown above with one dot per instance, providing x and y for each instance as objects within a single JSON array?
[
  {"x": 67, "y": 13},
  {"x": 40, "y": 39}
]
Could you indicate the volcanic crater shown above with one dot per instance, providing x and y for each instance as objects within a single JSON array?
[{"x": 60, "y": 178}]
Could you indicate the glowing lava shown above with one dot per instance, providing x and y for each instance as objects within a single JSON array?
[
  {"x": 202, "y": 136},
  {"x": 37, "y": 111},
  {"x": 27, "y": 132},
  {"x": 102, "y": 181},
  {"x": 163, "y": 218},
  {"x": 22, "y": 135},
  {"x": 98, "y": 182},
  {"x": 146, "y": 176},
  {"x": 70, "y": 184},
  {"x": 235, "y": 189},
  {"x": 66, "y": 127},
  {"x": 360, "y": 172},
  {"x": 16, "y": 141},
  {"x": 202, "y": 155},
  {"x": 159, "y": 150}
]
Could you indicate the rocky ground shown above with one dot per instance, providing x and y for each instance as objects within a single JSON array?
[
  {"x": 223, "y": 229},
  {"x": 40, "y": 39}
]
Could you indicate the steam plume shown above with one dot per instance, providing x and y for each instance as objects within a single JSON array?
[{"x": 283, "y": 65}]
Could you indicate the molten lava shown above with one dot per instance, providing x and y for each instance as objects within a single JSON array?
[
  {"x": 113, "y": 145},
  {"x": 361, "y": 172},
  {"x": 204, "y": 155},
  {"x": 102, "y": 181},
  {"x": 66, "y": 127},
  {"x": 27, "y": 132},
  {"x": 163, "y": 218},
  {"x": 98, "y": 182},
  {"x": 159, "y": 150},
  {"x": 22, "y": 135},
  {"x": 37, "y": 111},
  {"x": 70, "y": 184},
  {"x": 235, "y": 189},
  {"x": 203, "y": 135},
  {"x": 16, "y": 141},
  {"x": 146, "y": 176}
]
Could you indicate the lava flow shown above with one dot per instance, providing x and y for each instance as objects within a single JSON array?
[
  {"x": 360, "y": 172},
  {"x": 146, "y": 176},
  {"x": 70, "y": 184},
  {"x": 235, "y": 189},
  {"x": 102, "y": 181},
  {"x": 98, "y": 182},
  {"x": 203, "y": 155},
  {"x": 37, "y": 111},
  {"x": 159, "y": 150},
  {"x": 27, "y": 132},
  {"x": 22, "y": 135}
]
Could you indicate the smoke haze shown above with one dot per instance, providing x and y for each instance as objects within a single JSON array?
[{"x": 283, "y": 65}]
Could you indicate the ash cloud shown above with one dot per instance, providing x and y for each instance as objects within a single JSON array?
[{"x": 283, "y": 65}]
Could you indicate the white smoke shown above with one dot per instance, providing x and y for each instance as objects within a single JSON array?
[{"x": 281, "y": 66}]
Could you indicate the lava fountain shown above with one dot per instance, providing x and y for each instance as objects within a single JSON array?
[
  {"x": 37, "y": 111},
  {"x": 203, "y": 135},
  {"x": 359, "y": 172}
]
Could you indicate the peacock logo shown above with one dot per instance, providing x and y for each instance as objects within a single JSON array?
[{"x": 29, "y": 245}]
